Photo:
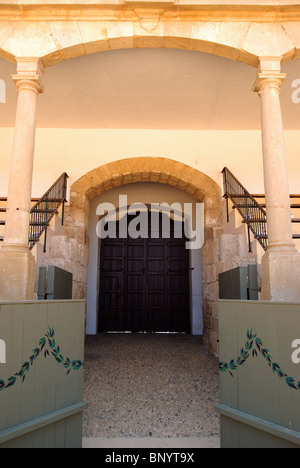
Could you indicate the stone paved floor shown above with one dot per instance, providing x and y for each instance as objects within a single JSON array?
[{"x": 157, "y": 386}]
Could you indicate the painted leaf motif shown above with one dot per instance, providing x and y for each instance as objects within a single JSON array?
[
  {"x": 55, "y": 351},
  {"x": 259, "y": 343},
  {"x": 232, "y": 365},
  {"x": 291, "y": 382},
  {"x": 11, "y": 381},
  {"x": 42, "y": 343},
  {"x": 67, "y": 363},
  {"x": 244, "y": 355}
]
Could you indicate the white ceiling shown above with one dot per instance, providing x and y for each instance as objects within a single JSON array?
[{"x": 151, "y": 89}]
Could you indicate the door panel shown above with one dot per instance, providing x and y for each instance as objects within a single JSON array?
[{"x": 144, "y": 284}]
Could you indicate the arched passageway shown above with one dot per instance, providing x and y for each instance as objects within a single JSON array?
[{"x": 149, "y": 170}]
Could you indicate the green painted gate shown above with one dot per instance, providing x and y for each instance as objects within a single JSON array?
[
  {"x": 41, "y": 383},
  {"x": 260, "y": 374}
]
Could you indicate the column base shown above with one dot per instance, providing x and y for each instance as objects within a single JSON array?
[
  {"x": 281, "y": 276},
  {"x": 17, "y": 274}
]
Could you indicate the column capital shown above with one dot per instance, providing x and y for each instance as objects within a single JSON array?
[
  {"x": 269, "y": 80},
  {"x": 28, "y": 75},
  {"x": 270, "y": 75}
]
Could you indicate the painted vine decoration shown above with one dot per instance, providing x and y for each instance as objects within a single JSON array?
[
  {"x": 48, "y": 338},
  {"x": 253, "y": 346}
]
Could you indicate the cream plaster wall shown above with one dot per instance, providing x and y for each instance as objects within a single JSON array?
[
  {"x": 79, "y": 151},
  {"x": 165, "y": 89}
]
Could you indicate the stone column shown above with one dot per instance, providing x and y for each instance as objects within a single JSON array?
[
  {"x": 17, "y": 265},
  {"x": 280, "y": 265}
]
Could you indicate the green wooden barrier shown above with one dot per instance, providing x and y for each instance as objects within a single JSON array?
[
  {"x": 41, "y": 383},
  {"x": 260, "y": 383}
]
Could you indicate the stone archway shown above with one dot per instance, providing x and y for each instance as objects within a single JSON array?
[
  {"x": 238, "y": 34},
  {"x": 146, "y": 169}
]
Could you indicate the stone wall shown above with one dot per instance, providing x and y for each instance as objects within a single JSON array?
[{"x": 222, "y": 252}]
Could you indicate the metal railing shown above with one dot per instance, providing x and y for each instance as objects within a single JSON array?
[
  {"x": 251, "y": 211},
  {"x": 45, "y": 209}
]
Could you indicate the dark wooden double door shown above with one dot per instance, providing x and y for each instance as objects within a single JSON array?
[{"x": 144, "y": 284}]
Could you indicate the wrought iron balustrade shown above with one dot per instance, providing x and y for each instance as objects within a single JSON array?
[
  {"x": 43, "y": 211},
  {"x": 251, "y": 211}
]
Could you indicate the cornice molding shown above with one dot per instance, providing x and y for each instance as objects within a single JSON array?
[{"x": 181, "y": 10}]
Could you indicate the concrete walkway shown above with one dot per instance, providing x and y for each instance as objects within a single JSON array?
[{"x": 150, "y": 389}]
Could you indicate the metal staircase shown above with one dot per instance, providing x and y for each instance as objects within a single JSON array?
[
  {"x": 43, "y": 211},
  {"x": 252, "y": 211}
]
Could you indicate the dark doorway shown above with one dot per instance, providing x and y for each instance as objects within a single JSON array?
[{"x": 144, "y": 283}]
